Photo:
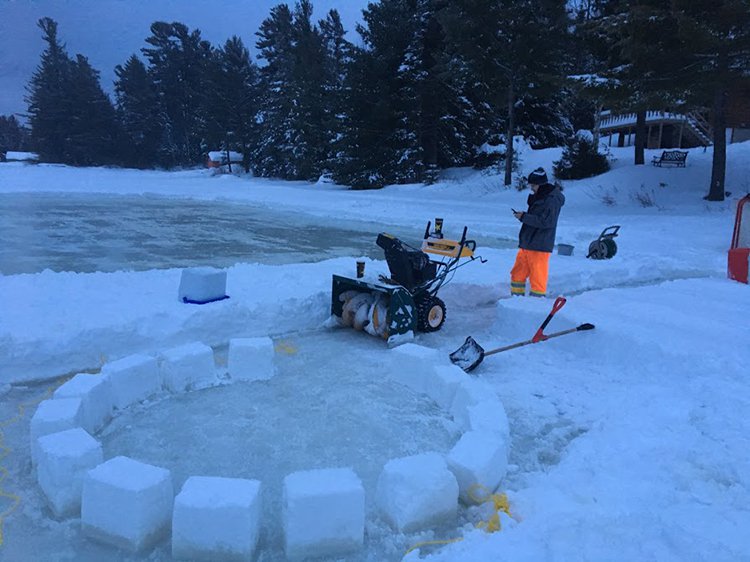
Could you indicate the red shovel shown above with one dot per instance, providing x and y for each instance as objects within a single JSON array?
[{"x": 471, "y": 354}]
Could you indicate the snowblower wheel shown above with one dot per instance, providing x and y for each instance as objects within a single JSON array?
[
  {"x": 431, "y": 314},
  {"x": 611, "y": 247}
]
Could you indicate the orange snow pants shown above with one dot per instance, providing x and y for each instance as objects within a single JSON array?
[{"x": 531, "y": 265}]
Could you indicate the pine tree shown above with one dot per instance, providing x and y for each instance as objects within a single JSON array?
[
  {"x": 337, "y": 58},
  {"x": 381, "y": 143},
  {"x": 715, "y": 36},
  {"x": 512, "y": 48},
  {"x": 92, "y": 133},
  {"x": 234, "y": 102},
  {"x": 179, "y": 61},
  {"x": 13, "y": 135},
  {"x": 138, "y": 107},
  {"x": 47, "y": 99},
  {"x": 72, "y": 119},
  {"x": 274, "y": 155}
]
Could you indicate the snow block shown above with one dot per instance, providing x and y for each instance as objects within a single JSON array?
[
  {"x": 64, "y": 458},
  {"x": 216, "y": 519},
  {"x": 415, "y": 366},
  {"x": 52, "y": 416},
  {"x": 251, "y": 359},
  {"x": 489, "y": 415},
  {"x": 201, "y": 285},
  {"x": 187, "y": 367},
  {"x": 323, "y": 513},
  {"x": 96, "y": 399},
  {"x": 469, "y": 393},
  {"x": 127, "y": 503},
  {"x": 417, "y": 492},
  {"x": 479, "y": 462},
  {"x": 445, "y": 384},
  {"x": 132, "y": 379}
]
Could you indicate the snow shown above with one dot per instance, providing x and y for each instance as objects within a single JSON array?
[{"x": 626, "y": 442}]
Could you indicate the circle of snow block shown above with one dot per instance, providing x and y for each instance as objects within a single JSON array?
[
  {"x": 323, "y": 513},
  {"x": 52, "y": 416},
  {"x": 416, "y": 366},
  {"x": 417, "y": 492},
  {"x": 200, "y": 285},
  {"x": 127, "y": 503},
  {"x": 96, "y": 399},
  {"x": 187, "y": 367},
  {"x": 64, "y": 458},
  {"x": 251, "y": 359},
  {"x": 132, "y": 379},
  {"x": 479, "y": 462},
  {"x": 216, "y": 519}
]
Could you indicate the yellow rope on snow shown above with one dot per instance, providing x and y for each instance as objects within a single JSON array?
[
  {"x": 285, "y": 347},
  {"x": 499, "y": 503},
  {"x": 5, "y": 451}
]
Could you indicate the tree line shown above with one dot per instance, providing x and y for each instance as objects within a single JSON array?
[{"x": 431, "y": 84}]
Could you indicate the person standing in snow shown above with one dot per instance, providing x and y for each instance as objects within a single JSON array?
[{"x": 537, "y": 236}]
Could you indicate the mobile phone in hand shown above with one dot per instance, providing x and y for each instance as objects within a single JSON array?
[{"x": 512, "y": 209}]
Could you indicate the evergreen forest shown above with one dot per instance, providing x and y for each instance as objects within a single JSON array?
[{"x": 426, "y": 85}]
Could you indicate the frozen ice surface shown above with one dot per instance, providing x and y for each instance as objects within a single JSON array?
[{"x": 329, "y": 405}]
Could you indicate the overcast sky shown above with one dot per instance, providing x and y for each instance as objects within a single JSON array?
[{"x": 109, "y": 31}]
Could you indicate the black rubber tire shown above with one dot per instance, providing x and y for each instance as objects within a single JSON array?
[
  {"x": 430, "y": 314},
  {"x": 611, "y": 247}
]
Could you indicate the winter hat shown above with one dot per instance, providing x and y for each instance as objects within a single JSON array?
[{"x": 538, "y": 177}]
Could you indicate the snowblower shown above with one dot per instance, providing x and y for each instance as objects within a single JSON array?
[{"x": 396, "y": 307}]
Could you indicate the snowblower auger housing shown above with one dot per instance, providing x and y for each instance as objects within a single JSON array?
[{"x": 406, "y": 301}]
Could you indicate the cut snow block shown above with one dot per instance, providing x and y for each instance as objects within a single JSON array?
[
  {"x": 416, "y": 366},
  {"x": 187, "y": 367},
  {"x": 323, "y": 513},
  {"x": 127, "y": 503},
  {"x": 469, "y": 393},
  {"x": 96, "y": 399},
  {"x": 201, "y": 285},
  {"x": 447, "y": 380},
  {"x": 52, "y": 416},
  {"x": 132, "y": 379},
  {"x": 489, "y": 415},
  {"x": 251, "y": 359},
  {"x": 216, "y": 519},
  {"x": 417, "y": 492},
  {"x": 479, "y": 461},
  {"x": 64, "y": 458}
]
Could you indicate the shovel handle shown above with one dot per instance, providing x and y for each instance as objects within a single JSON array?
[
  {"x": 580, "y": 328},
  {"x": 559, "y": 303}
]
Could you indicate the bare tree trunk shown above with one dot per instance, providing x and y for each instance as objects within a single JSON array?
[
  {"x": 719, "y": 164},
  {"x": 509, "y": 135},
  {"x": 640, "y": 137}
]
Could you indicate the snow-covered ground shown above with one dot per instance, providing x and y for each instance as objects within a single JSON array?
[{"x": 628, "y": 442}]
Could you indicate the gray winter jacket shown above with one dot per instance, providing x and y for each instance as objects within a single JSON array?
[{"x": 539, "y": 222}]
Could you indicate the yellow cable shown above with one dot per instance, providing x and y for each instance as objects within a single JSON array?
[
  {"x": 499, "y": 503},
  {"x": 427, "y": 543}
]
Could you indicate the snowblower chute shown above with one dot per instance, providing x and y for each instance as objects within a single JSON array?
[{"x": 407, "y": 301}]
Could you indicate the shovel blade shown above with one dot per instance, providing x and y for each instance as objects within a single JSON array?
[{"x": 468, "y": 356}]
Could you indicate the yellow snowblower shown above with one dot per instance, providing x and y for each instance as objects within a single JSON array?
[{"x": 406, "y": 302}]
